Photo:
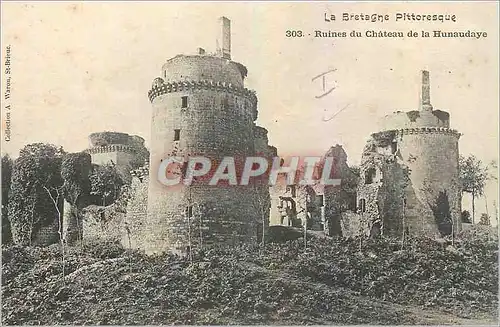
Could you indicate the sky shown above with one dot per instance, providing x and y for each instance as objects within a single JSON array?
[{"x": 79, "y": 68}]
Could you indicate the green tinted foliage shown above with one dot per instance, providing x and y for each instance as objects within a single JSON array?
[
  {"x": 105, "y": 184},
  {"x": 332, "y": 283},
  {"x": 75, "y": 171},
  {"x": 473, "y": 175},
  {"x": 30, "y": 207}
]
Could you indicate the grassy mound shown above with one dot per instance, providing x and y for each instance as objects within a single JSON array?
[{"x": 333, "y": 282}]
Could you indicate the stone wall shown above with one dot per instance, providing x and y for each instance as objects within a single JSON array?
[
  {"x": 353, "y": 224},
  {"x": 48, "y": 221},
  {"x": 200, "y": 108},
  {"x": 125, "y": 157},
  {"x": 197, "y": 68},
  {"x": 381, "y": 192},
  {"x": 413, "y": 181},
  {"x": 297, "y": 205},
  {"x": 262, "y": 149},
  {"x": 137, "y": 206},
  {"x": 103, "y": 223},
  {"x": 432, "y": 158},
  {"x": 415, "y": 119},
  {"x": 410, "y": 172},
  {"x": 338, "y": 198},
  {"x": 47, "y": 234},
  {"x": 203, "y": 215}
]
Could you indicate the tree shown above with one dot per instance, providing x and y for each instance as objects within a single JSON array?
[
  {"x": 492, "y": 166},
  {"x": 6, "y": 179},
  {"x": 36, "y": 182},
  {"x": 105, "y": 183},
  {"x": 75, "y": 171},
  {"x": 473, "y": 176},
  {"x": 466, "y": 217},
  {"x": 484, "y": 220}
]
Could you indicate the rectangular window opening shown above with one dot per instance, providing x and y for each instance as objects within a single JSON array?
[
  {"x": 184, "y": 102},
  {"x": 189, "y": 211},
  {"x": 362, "y": 205},
  {"x": 177, "y": 134},
  {"x": 370, "y": 175},
  {"x": 321, "y": 200}
]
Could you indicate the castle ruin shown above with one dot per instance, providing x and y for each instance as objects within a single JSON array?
[
  {"x": 201, "y": 108},
  {"x": 409, "y": 179},
  {"x": 407, "y": 182}
]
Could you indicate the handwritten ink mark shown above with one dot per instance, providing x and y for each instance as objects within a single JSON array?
[
  {"x": 324, "y": 83},
  {"x": 335, "y": 114},
  {"x": 323, "y": 74},
  {"x": 325, "y": 94}
]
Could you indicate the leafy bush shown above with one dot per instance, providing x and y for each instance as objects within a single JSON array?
[
  {"x": 103, "y": 249},
  {"x": 332, "y": 282},
  {"x": 36, "y": 172}
]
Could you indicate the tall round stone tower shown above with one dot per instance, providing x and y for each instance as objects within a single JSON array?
[
  {"x": 201, "y": 108},
  {"x": 424, "y": 143}
]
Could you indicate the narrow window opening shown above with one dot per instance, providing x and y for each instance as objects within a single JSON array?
[
  {"x": 321, "y": 200},
  {"x": 184, "y": 102},
  {"x": 189, "y": 211},
  {"x": 352, "y": 203},
  {"x": 177, "y": 134},
  {"x": 369, "y": 175},
  {"x": 362, "y": 205}
]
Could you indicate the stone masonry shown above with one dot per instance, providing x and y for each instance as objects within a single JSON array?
[
  {"x": 201, "y": 108},
  {"x": 409, "y": 174},
  {"x": 126, "y": 152}
]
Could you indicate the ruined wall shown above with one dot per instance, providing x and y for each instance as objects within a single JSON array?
[
  {"x": 47, "y": 219},
  {"x": 262, "y": 149},
  {"x": 121, "y": 221},
  {"x": 315, "y": 204},
  {"x": 47, "y": 234},
  {"x": 134, "y": 224},
  {"x": 413, "y": 183},
  {"x": 297, "y": 205},
  {"x": 277, "y": 212},
  {"x": 354, "y": 224},
  {"x": 381, "y": 191},
  {"x": 126, "y": 152},
  {"x": 215, "y": 120},
  {"x": 338, "y": 198},
  {"x": 103, "y": 223},
  {"x": 415, "y": 187}
]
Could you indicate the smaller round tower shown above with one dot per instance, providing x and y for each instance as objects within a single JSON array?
[
  {"x": 410, "y": 176},
  {"x": 126, "y": 152}
]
